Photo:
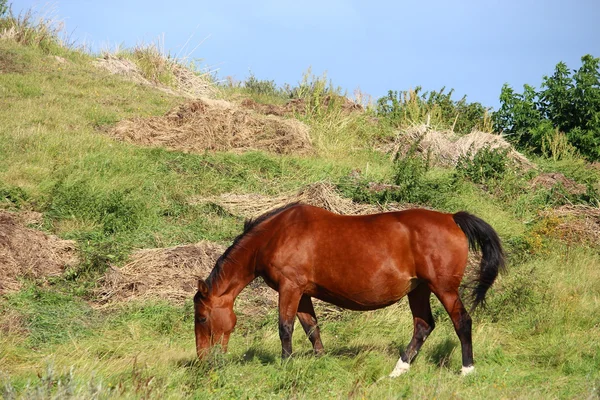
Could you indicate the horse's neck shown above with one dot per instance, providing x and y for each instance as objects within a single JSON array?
[{"x": 234, "y": 274}]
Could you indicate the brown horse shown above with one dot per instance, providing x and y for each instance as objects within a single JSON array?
[{"x": 356, "y": 262}]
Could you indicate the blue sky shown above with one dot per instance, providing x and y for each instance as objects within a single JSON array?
[{"x": 473, "y": 46}]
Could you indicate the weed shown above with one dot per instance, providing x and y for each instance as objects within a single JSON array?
[
  {"x": 12, "y": 196},
  {"x": 31, "y": 30}
]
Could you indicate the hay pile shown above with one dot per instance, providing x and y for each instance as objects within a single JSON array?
[
  {"x": 576, "y": 224},
  {"x": 446, "y": 147},
  {"x": 320, "y": 194},
  {"x": 171, "y": 274},
  {"x": 216, "y": 125},
  {"x": 187, "y": 83},
  {"x": 29, "y": 253},
  {"x": 552, "y": 179}
]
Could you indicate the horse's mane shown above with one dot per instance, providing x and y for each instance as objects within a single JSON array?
[{"x": 250, "y": 227}]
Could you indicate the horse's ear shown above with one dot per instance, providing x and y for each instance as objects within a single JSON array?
[{"x": 202, "y": 288}]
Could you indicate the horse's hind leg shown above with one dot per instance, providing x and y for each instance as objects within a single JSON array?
[
  {"x": 424, "y": 323},
  {"x": 462, "y": 325},
  {"x": 308, "y": 319}
]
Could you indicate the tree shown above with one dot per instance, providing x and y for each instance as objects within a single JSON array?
[{"x": 567, "y": 102}]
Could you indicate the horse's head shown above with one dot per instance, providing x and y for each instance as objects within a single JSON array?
[{"x": 214, "y": 319}]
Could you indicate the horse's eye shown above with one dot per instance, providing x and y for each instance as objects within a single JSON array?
[{"x": 201, "y": 320}]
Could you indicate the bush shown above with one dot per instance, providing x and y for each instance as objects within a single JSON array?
[
  {"x": 485, "y": 165},
  {"x": 262, "y": 87},
  {"x": 436, "y": 108}
]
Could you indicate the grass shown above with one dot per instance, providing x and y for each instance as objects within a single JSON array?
[
  {"x": 547, "y": 347},
  {"x": 538, "y": 338}
]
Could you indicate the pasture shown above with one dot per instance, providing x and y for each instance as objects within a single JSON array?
[{"x": 65, "y": 175}]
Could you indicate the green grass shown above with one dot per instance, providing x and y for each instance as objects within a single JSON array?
[
  {"x": 538, "y": 344},
  {"x": 538, "y": 338}
]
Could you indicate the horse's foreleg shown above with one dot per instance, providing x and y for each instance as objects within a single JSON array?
[
  {"x": 308, "y": 319},
  {"x": 424, "y": 323},
  {"x": 289, "y": 299},
  {"x": 462, "y": 325}
]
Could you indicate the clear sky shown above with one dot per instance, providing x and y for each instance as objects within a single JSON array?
[{"x": 473, "y": 46}]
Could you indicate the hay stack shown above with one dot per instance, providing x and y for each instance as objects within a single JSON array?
[
  {"x": 320, "y": 194},
  {"x": 168, "y": 273},
  {"x": 216, "y": 125},
  {"x": 446, "y": 148},
  {"x": 171, "y": 274},
  {"x": 187, "y": 83},
  {"x": 28, "y": 253}
]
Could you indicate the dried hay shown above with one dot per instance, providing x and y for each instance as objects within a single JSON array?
[
  {"x": 187, "y": 83},
  {"x": 216, "y": 125},
  {"x": 576, "y": 223},
  {"x": 320, "y": 194},
  {"x": 446, "y": 147},
  {"x": 168, "y": 273},
  {"x": 122, "y": 66},
  {"x": 300, "y": 106},
  {"x": 552, "y": 179},
  {"x": 25, "y": 252},
  {"x": 171, "y": 274}
]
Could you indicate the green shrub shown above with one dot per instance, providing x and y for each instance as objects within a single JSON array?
[
  {"x": 409, "y": 183},
  {"x": 262, "y": 87},
  {"x": 485, "y": 165},
  {"x": 409, "y": 177},
  {"x": 437, "y": 108}
]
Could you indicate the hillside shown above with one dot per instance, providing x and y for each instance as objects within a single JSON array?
[{"x": 117, "y": 191}]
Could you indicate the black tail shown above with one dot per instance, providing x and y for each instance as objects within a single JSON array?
[{"x": 482, "y": 236}]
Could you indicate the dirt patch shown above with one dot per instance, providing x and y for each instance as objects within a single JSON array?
[
  {"x": 446, "y": 148},
  {"x": 320, "y": 194},
  {"x": 552, "y": 179},
  {"x": 25, "y": 252},
  {"x": 300, "y": 106},
  {"x": 216, "y": 125}
]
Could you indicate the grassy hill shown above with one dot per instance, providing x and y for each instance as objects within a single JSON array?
[{"x": 539, "y": 337}]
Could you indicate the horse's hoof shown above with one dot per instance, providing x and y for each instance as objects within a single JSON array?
[
  {"x": 467, "y": 370},
  {"x": 400, "y": 368}
]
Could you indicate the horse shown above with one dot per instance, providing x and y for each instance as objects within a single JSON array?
[{"x": 357, "y": 262}]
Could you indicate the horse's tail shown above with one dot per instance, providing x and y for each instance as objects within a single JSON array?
[{"x": 482, "y": 236}]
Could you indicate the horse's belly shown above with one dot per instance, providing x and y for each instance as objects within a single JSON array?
[{"x": 365, "y": 297}]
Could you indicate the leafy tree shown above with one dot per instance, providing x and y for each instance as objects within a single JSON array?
[{"x": 566, "y": 102}]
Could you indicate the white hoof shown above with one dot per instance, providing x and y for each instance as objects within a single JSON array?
[
  {"x": 400, "y": 368},
  {"x": 467, "y": 370}
]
